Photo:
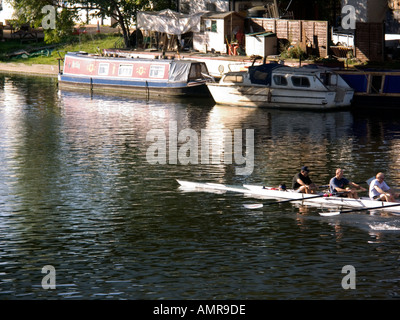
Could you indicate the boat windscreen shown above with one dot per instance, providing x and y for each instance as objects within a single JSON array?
[{"x": 262, "y": 74}]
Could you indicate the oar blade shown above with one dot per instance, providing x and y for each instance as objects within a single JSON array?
[{"x": 329, "y": 214}]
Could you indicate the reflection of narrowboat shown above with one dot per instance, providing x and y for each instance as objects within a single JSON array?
[
  {"x": 151, "y": 77},
  {"x": 374, "y": 87},
  {"x": 276, "y": 86}
]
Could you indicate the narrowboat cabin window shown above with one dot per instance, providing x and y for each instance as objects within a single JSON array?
[
  {"x": 125, "y": 70},
  {"x": 103, "y": 69},
  {"x": 280, "y": 80},
  {"x": 157, "y": 71},
  {"x": 233, "y": 78},
  {"x": 300, "y": 82}
]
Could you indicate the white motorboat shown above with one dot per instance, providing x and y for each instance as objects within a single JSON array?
[{"x": 277, "y": 86}]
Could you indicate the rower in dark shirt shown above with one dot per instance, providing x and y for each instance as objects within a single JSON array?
[{"x": 302, "y": 182}]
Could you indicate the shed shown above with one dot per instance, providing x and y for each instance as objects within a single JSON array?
[
  {"x": 261, "y": 44},
  {"x": 217, "y": 30}
]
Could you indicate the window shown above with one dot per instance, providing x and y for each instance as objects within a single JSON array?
[
  {"x": 196, "y": 71},
  {"x": 157, "y": 71},
  {"x": 259, "y": 75},
  {"x": 213, "y": 26},
  {"x": 300, "y": 81},
  {"x": 103, "y": 69},
  {"x": 233, "y": 78},
  {"x": 280, "y": 80},
  {"x": 210, "y": 25},
  {"x": 125, "y": 70}
]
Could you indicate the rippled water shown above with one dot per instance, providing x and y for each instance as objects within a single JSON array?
[{"x": 78, "y": 193}]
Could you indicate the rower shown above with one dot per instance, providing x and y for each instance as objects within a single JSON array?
[
  {"x": 338, "y": 184},
  {"x": 379, "y": 190},
  {"x": 302, "y": 182}
]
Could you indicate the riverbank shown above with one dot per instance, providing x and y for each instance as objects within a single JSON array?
[{"x": 34, "y": 69}]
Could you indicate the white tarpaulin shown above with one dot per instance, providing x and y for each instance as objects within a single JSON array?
[{"x": 168, "y": 21}]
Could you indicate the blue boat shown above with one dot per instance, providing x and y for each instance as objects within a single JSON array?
[{"x": 372, "y": 87}]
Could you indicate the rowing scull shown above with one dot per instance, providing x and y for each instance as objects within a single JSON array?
[{"x": 275, "y": 193}]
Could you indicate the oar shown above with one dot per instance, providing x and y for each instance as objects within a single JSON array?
[
  {"x": 335, "y": 213},
  {"x": 260, "y": 205}
]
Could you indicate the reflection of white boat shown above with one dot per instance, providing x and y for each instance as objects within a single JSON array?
[
  {"x": 274, "y": 193},
  {"x": 274, "y": 85}
]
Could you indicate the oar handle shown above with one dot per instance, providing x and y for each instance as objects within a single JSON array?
[{"x": 302, "y": 198}]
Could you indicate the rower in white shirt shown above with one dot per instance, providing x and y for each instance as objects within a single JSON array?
[{"x": 379, "y": 190}]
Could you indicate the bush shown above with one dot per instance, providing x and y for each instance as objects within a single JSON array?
[
  {"x": 293, "y": 52},
  {"x": 64, "y": 27}
]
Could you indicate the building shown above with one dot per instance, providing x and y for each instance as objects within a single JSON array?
[
  {"x": 368, "y": 10},
  {"x": 218, "y": 31},
  {"x": 6, "y": 11}
]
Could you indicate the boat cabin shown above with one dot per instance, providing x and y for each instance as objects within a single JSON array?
[{"x": 279, "y": 76}]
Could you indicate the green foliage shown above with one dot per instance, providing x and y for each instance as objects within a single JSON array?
[
  {"x": 293, "y": 52},
  {"x": 30, "y": 12},
  {"x": 91, "y": 43},
  {"x": 64, "y": 27}
]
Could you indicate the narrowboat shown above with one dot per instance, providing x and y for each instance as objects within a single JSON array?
[
  {"x": 150, "y": 77},
  {"x": 277, "y": 86},
  {"x": 374, "y": 88}
]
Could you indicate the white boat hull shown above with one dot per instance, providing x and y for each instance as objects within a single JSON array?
[
  {"x": 273, "y": 193},
  {"x": 328, "y": 200},
  {"x": 263, "y": 96}
]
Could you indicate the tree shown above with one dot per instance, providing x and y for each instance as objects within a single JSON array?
[
  {"x": 123, "y": 11},
  {"x": 31, "y": 12}
]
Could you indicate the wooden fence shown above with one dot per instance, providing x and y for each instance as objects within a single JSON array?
[
  {"x": 309, "y": 35},
  {"x": 369, "y": 41}
]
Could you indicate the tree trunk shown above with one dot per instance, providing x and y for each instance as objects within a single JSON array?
[{"x": 125, "y": 29}]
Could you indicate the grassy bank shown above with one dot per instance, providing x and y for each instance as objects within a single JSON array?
[{"x": 12, "y": 50}]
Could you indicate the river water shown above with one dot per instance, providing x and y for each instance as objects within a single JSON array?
[{"x": 80, "y": 194}]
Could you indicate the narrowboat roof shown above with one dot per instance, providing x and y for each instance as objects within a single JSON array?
[{"x": 85, "y": 55}]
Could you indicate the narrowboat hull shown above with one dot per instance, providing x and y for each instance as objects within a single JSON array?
[
  {"x": 374, "y": 88},
  {"x": 132, "y": 87}
]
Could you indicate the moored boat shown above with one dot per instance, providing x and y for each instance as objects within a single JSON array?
[
  {"x": 150, "y": 77},
  {"x": 372, "y": 87},
  {"x": 274, "y": 193},
  {"x": 277, "y": 86}
]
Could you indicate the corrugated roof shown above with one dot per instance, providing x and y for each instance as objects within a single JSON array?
[{"x": 220, "y": 15}]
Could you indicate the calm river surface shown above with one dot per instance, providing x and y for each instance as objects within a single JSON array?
[{"x": 79, "y": 193}]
